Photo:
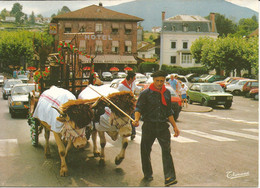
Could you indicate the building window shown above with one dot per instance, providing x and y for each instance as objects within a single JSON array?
[
  {"x": 185, "y": 45},
  {"x": 128, "y": 28},
  {"x": 173, "y": 59},
  {"x": 185, "y": 27},
  {"x": 173, "y": 45},
  {"x": 143, "y": 55},
  {"x": 173, "y": 28},
  {"x": 115, "y": 46},
  {"x": 198, "y": 29},
  {"x": 115, "y": 27},
  {"x": 99, "y": 46},
  {"x": 128, "y": 46},
  {"x": 98, "y": 28},
  {"x": 82, "y": 45},
  {"x": 186, "y": 59},
  {"x": 67, "y": 28}
]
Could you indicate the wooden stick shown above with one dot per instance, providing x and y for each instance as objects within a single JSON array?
[{"x": 112, "y": 104}]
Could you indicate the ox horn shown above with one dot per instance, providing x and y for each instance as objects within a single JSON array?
[{"x": 60, "y": 112}]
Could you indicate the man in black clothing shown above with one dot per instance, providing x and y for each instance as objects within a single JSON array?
[{"x": 154, "y": 104}]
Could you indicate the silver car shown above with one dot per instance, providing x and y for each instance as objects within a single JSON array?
[
  {"x": 8, "y": 84},
  {"x": 18, "y": 102},
  {"x": 1, "y": 80}
]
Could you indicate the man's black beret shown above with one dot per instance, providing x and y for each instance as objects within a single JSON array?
[{"x": 159, "y": 73}]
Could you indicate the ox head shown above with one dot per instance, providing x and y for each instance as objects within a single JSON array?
[{"x": 76, "y": 115}]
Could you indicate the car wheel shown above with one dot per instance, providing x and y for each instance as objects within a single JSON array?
[
  {"x": 5, "y": 97},
  {"x": 228, "y": 105},
  {"x": 236, "y": 92},
  {"x": 12, "y": 114},
  {"x": 256, "y": 97},
  {"x": 247, "y": 95},
  {"x": 204, "y": 102},
  {"x": 189, "y": 100}
]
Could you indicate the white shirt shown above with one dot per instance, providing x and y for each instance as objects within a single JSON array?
[
  {"x": 133, "y": 86},
  {"x": 183, "y": 90}
]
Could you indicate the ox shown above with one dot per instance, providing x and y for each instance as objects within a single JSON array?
[
  {"x": 110, "y": 120},
  {"x": 67, "y": 130}
]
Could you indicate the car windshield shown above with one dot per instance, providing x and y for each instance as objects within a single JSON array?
[
  {"x": 22, "y": 90},
  {"x": 173, "y": 93},
  {"x": 12, "y": 83},
  {"x": 22, "y": 76},
  {"x": 211, "y": 88},
  {"x": 255, "y": 84}
]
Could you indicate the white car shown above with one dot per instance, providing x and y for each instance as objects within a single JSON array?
[
  {"x": 1, "y": 80},
  {"x": 182, "y": 78},
  {"x": 107, "y": 76},
  {"x": 237, "y": 86},
  {"x": 121, "y": 75},
  {"x": 140, "y": 78}
]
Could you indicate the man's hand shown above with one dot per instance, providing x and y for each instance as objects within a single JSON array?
[
  {"x": 176, "y": 131},
  {"x": 135, "y": 123}
]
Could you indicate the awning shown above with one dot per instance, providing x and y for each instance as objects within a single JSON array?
[
  {"x": 128, "y": 26},
  {"x": 115, "y": 43},
  {"x": 128, "y": 43},
  {"x": 110, "y": 59},
  {"x": 115, "y": 25},
  {"x": 99, "y": 42},
  {"x": 67, "y": 24}
]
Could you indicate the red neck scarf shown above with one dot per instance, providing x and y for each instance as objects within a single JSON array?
[
  {"x": 151, "y": 87},
  {"x": 126, "y": 84}
]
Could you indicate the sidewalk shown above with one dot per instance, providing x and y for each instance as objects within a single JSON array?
[{"x": 196, "y": 108}]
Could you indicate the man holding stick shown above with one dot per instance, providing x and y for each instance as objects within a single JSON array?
[{"x": 154, "y": 104}]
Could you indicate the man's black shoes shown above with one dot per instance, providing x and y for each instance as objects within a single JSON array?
[
  {"x": 148, "y": 178},
  {"x": 170, "y": 181}
]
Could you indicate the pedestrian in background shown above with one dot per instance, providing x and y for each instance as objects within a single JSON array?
[
  {"x": 183, "y": 92},
  {"x": 173, "y": 82},
  {"x": 128, "y": 84},
  {"x": 154, "y": 105}
]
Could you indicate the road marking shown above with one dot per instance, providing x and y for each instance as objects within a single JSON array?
[
  {"x": 207, "y": 135},
  {"x": 182, "y": 139},
  {"x": 238, "y": 134},
  {"x": 225, "y": 118},
  {"x": 9, "y": 147},
  {"x": 251, "y": 130}
]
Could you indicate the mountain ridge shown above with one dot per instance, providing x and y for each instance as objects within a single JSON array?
[{"x": 150, "y": 10}]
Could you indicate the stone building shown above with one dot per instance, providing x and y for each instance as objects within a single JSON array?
[{"x": 108, "y": 35}]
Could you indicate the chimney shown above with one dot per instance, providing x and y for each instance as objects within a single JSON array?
[
  {"x": 163, "y": 15},
  {"x": 100, "y": 4},
  {"x": 212, "y": 19}
]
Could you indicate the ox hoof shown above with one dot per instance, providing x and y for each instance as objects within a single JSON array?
[
  {"x": 63, "y": 172},
  {"x": 97, "y": 154},
  {"x": 118, "y": 160},
  {"x": 102, "y": 162}
]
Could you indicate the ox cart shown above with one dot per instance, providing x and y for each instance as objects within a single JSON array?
[{"x": 65, "y": 70}]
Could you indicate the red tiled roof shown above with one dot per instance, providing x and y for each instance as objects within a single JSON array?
[{"x": 95, "y": 12}]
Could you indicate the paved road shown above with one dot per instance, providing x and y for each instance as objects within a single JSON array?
[{"x": 218, "y": 148}]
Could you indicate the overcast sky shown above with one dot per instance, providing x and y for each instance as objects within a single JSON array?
[{"x": 45, "y": 7}]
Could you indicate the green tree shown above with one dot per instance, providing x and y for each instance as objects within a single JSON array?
[
  {"x": 32, "y": 18},
  {"x": 17, "y": 12},
  {"x": 246, "y": 26},
  {"x": 64, "y": 10},
  {"x": 224, "y": 25},
  {"x": 250, "y": 53},
  {"x": 4, "y": 14}
]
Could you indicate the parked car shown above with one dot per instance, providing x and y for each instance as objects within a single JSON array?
[
  {"x": 175, "y": 100},
  {"x": 107, "y": 76},
  {"x": 250, "y": 84},
  {"x": 253, "y": 93},
  {"x": 227, "y": 81},
  {"x": 18, "y": 101},
  {"x": 140, "y": 78},
  {"x": 2, "y": 80},
  {"x": 214, "y": 78},
  {"x": 8, "y": 84},
  {"x": 203, "y": 79},
  {"x": 191, "y": 76},
  {"x": 121, "y": 75},
  {"x": 148, "y": 74},
  {"x": 23, "y": 77},
  {"x": 236, "y": 87},
  {"x": 209, "y": 94},
  {"x": 196, "y": 79},
  {"x": 182, "y": 78}
]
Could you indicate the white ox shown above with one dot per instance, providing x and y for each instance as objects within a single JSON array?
[
  {"x": 64, "y": 127},
  {"x": 112, "y": 122}
]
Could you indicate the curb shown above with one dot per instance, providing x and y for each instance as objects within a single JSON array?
[{"x": 196, "y": 108}]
